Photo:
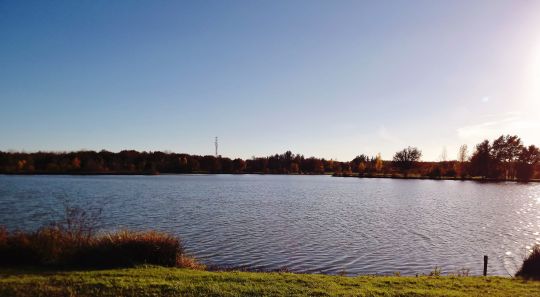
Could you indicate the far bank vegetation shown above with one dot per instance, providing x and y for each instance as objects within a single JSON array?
[{"x": 505, "y": 158}]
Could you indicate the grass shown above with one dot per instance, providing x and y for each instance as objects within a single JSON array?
[{"x": 161, "y": 281}]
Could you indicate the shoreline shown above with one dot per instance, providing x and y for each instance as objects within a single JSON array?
[
  {"x": 355, "y": 175},
  {"x": 423, "y": 177}
]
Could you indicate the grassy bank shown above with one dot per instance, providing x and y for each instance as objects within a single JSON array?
[{"x": 160, "y": 281}]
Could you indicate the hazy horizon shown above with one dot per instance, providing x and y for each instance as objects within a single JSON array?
[{"x": 325, "y": 79}]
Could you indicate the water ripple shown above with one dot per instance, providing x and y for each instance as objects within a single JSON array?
[{"x": 304, "y": 223}]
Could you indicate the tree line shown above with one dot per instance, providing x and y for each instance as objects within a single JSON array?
[
  {"x": 505, "y": 158},
  {"x": 134, "y": 162}
]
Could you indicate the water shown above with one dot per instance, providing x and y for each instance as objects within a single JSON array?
[{"x": 316, "y": 224}]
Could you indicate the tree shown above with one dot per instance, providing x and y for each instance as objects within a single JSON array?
[
  {"x": 76, "y": 163},
  {"x": 378, "y": 163},
  {"x": 505, "y": 151},
  {"x": 238, "y": 165},
  {"x": 462, "y": 158},
  {"x": 462, "y": 154},
  {"x": 481, "y": 160},
  {"x": 355, "y": 163},
  {"x": 435, "y": 172},
  {"x": 361, "y": 167},
  {"x": 294, "y": 167},
  {"x": 183, "y": 164},
  {"x": 194, "y": 165},
  {"x": 226, "y": 165},
  {"x": 406, "y": 159},
  {"x": 444, "y": 155},
  {"x": 527, "y": 159}
]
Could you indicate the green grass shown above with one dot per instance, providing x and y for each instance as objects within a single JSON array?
[{"x": 158, "y": 281}]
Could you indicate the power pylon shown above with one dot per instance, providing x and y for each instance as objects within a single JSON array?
[{"x": 216, "y": 144}]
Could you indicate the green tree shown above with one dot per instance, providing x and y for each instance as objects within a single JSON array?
[
  {"x": 505, "y": 151},
  {"x": 481, "y": 160},
  {"x": 527, "y": 160},
  {"x": 407, "y": 159}
]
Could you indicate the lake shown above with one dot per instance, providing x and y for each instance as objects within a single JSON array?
[{"x": 315, "y": 224}]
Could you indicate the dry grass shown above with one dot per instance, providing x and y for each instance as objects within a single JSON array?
[
  {"x": 51, "y": 246},
  {"x": 531, "y": 265}
]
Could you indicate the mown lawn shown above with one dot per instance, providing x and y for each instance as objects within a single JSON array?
[{"x": 158, "y": 281}]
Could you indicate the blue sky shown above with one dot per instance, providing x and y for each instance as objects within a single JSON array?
[{"x": 331, "y": 79}]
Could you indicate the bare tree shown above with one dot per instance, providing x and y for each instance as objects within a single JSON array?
[
  {"x": 462, "y": 154},
  {"x": 444, "y": 155},
  {"x": 462, "y": 158}
]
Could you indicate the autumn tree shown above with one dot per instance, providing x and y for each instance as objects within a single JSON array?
[
  {"x": 294, "y": 168},
  {"x": 76, "y": 163},
  {"x": 361, "y": 167},
  {"x": 355, "y": 163},
  {"x": 378, "y": 163}
]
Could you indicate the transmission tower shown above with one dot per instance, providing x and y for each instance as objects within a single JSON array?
[{"x": 216, "y": 144}]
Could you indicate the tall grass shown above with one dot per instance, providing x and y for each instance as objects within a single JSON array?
[
  {"x": 53, "y": 246},
  {"x": 531, "y": 265}
]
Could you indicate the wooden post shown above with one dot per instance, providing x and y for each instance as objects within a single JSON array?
[{"x": 485, "y": 264}]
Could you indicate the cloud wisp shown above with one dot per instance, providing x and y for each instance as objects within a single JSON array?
[{"x": 495, "y": 125}]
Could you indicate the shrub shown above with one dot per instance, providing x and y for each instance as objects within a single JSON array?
[
  {"x": 451, "y": 173},
  {"x": 52, "y": 246},
  {"x": 531, "y": 265},
  {"x": 186, "y": 261},
  {"x": 435, "y": 172},
  {"x": 37, "y": 248},
  {"x": 435, "y": 272}
]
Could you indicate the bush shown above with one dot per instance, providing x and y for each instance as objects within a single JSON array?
[
  {"x": 52, "y": 246},
  {"x": 451, "y": 172},
  {"x": 124, "y": 249},
  {"x": 531, "y": 265},
  {"x": 42, "y": 247},
  {"x": 435, "y": 172}
]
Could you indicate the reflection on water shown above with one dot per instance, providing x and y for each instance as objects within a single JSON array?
[{"x": 305, "y": 223}]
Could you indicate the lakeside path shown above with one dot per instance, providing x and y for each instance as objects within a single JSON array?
[{"x": 159, "y": 281}]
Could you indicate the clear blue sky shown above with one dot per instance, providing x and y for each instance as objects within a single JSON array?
[{"x": 331, "y": 79}]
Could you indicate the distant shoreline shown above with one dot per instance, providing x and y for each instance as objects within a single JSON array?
[
  {"x": 477, "y": 179},
  {"x": 368, "y": 176}
]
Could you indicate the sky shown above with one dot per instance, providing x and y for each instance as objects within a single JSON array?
[{"x": 330, "y": 79}]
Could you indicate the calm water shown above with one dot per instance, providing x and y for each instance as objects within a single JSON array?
[{"x": 305, "y": 223}]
